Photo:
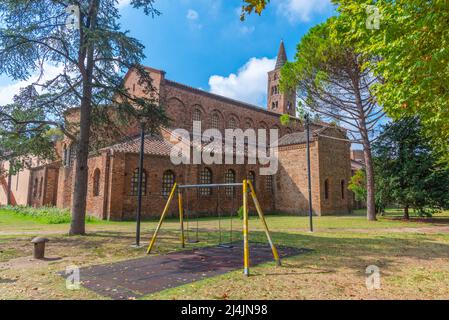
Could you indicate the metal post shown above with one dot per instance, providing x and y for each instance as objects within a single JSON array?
[
  {"x": 308, "y": 170},
  {"x": 264, "y": 223},
  {"x": 181, "y": 216},
  {"x": 245, "y": 230},
  {"x": 167, "y": 206},
  {"x": 139, "y": 192}
]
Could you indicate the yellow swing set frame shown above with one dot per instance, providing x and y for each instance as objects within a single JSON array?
[{"x": 247, "y": 189}]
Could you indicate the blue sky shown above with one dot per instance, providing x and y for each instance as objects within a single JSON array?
[{"x": 202, "y": 43}]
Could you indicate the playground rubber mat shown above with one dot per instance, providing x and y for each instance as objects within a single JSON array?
[{"x": 139, "y": 277}]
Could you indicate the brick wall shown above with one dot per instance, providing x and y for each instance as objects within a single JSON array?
[
  {"x": 43, "y": 186},
  {"x": 335, "y": 166},
  {"x": 123, "y": 204},
  {"x": 291, "y": 180}
]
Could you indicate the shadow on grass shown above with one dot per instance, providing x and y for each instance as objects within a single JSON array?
[{"x": 331, "y": 251}]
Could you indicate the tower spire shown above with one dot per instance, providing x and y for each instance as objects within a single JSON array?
[
  {"x": 282, "y": 56},
  {"x": 278, "y": 101}
]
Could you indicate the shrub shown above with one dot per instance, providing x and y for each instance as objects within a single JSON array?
[{"x": 47, "y": 215}]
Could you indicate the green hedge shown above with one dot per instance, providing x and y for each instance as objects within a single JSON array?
[{"x": 47, "y": 215}]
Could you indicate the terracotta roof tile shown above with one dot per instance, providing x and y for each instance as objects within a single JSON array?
[{"x": 152, "y": 146}]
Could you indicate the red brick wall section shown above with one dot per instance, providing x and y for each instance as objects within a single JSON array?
[
  {"x": 37, "y": 187},
  {"x": 122, "y": 205},
  {"x": 50, "y": 186},
  {"x": 116, "y": 185},
  {"x": 95, "y": 203},
  {"x": 182, "y": 101},
  {"x": 291, "y": 180},
  {"x": 65, "y": 186},
  {"x": 334, "y": 165}
]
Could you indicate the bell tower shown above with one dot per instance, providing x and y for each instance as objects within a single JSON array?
[{"x": 280, "y": 102}]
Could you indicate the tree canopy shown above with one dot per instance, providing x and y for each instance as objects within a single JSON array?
[
  {"x": 412, "y": 47},
  {"x": 411, "y": 44},
  {"x": 407, "y": 168},
  {"x": 83, "y": 41},
  {"x": 328, "y": 77}
]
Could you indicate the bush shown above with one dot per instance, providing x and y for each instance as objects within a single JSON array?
[{"x": 47, "y": 215}]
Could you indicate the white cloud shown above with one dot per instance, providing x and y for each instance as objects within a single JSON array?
[
  {"x": 123, "y": 3},
  {"x": 8, "y": 92},
  {"x": 249, "y": 84},
  {"x": 192, "y": 15},
  {"x": 303, "y": 10}
]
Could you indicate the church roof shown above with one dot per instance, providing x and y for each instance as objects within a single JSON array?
[
  {"x": 282, "y": 56},
  {"x": 294, "y": 138},
  {"x": 153, "y": 145}
]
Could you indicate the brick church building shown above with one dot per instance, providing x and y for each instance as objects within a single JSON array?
[{"x": 113, "y": 173}]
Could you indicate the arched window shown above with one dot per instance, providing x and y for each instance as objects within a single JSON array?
[
  {"x": 65, "y": 156},
  {"x": 232, "y": 123},
  {"x": 35, "y": 188},
  {"x": 205, "y": 178},
  {"x": 168, "y": 180},
  {"x": 252, "y": 178},
  {"x": 41, "y": 186},
  {"x": 69, "y": 155},
  {"x": 135, "y": 182},
  {"x": 326, "y": 189},
  {"x": 215, "y": 121},
  {"x": 196, "y": 116},
  {"x": 230, "y": 178},
  {"x": 342, "y": 186},
  {"x": 96, "y": 183},
  {"x": 269, "y": 184}
]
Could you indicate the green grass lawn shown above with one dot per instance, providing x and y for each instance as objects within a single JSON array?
[{"x": 413, "y": 257}]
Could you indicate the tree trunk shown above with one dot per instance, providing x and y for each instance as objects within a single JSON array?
[
  {"x": 406, "y": 214},
  {"x": 370, "y": 188},
  {"x": 364, "y": 133},
  {"x": 77, "y": 226},
  {"x": 8, "y": 194}
]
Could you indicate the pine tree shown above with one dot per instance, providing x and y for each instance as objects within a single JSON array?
[{"x": 83, "y": 41}]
